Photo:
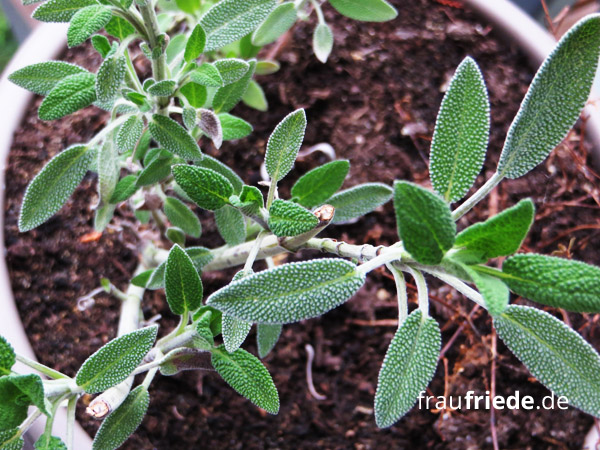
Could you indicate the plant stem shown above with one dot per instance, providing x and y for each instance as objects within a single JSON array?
[
  {"x": 388, "y": 256},
  {"x": 319, "y": 11},
  {"x": 271, "y": 193},
  {"x": 401, "y": 292},
  {"x": 422, "y": 291},
  {"x": 457, "y": 284},
  {"x": 71, "y": 423},
  {"x": 107, "y": 130},
  {"x": 54, "y": 374},
  {"x": 253, "y": 252},
  {"x": 28, "y": 422},
  {"x": 477, "y": 196}
]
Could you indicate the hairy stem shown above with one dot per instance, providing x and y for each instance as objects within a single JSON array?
[
  {"x": 477, "y": 196},
  {"x": 422, "y": 291},
  {"x": 49, "y": 372}
]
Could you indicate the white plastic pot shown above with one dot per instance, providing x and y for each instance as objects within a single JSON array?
[{"x": 45, "y": 43}]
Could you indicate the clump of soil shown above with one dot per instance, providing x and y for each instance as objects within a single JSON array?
[{"x": 375, "y": 101}]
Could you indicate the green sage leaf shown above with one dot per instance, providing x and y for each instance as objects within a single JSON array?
[
  {"x": 322, "y": 42},
  {"x": 231, "y": 69},
  {"x": 108, "y": 176},
  {"x": 555, "y": 354},
  {"x": 228, "y": 96},
  {"x": 115, "y": 361},
  {"x": 284, "y": 143},
  {"x": 195, "y": 44},
  {"x": 174, "y": 138},
  {"x": 9, "y": 439},
  {"x": 86, "y": 22},
  {"x": 182, "y": 359},
  {"x": 267, "y": 336},
  {"x": 235, "y": 332},
  {"x": 461, "y": 133},
  {"x": 209, "y": 162},
  {"x": 233, "y": 127},
  {"x": 130, "y": 133},
  {"x": 119, "y": 28},
  {"x": 207, "y": 75},
  {"x": 247, "y": 376},
  {"x": 231, "y": 225},
  {"x": 69, "y": 95},
  {"x": 46, "y": 442},
  {"x": 230, "y": 20},
  {"x": 182, "y": 283},
  {"x": 291, "y": 292},
  {"x": 277, "y": 22},
  {"x": 180, "y": 215},
  {"x": 163, "y": 88},
  {"x": 359, "y": 200},
  {"x": 315, "y": 187},
  {"x": 51, "y": 188},
  {"x": 195, "y": 93},
  {"x": 41, "y": 78},
  {"x": 494, "y": 291},
  {"x": 365, "y": 10},
  {"x": 501, "y": 235},
  {"x": 554, "y": 100},
  {"x": 255, "y": 97},
  {"x": 207, "y": 188},
  {"x": 407, "y": 369},
  {"x": 123, "y": 421},
  {"x": 424, "y": 221},
  {"x": 7, "y": 357},
  {"x": 290, "y": 219},
  {"x": 101, "y": 44},
  {"x": 60, "y": 10},
  {"x": 249, "y": 202},
  {"x": 553, "y": 281}
]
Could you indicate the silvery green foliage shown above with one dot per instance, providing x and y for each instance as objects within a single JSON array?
[
  {"x": 322, "y": 41},
  {"x": 254, "y": 97},
  {"x": 494, "y": 291},
  {"x": 17, "y": 392},
  {"x": 232, "y": 69},
  {"x": 51, "y": 188},
  {"x": 278, "y": 22},
  {"x": 555, "y": 354},
  {"x": 284, "y": 143},
  {"x": 501, "y": 235},
  {"x": 195, "y": 44},
  {"x": 365, "y": 10},
  {"x": 207, "y": 188},
  {"x": 130, "y": 133},
  {"x": 184, "y": 358},
  {"x": 234, "y": 127},
  {"x": 123, "y": 421},
  {"x": 46, "y": 442},
  {"x": 41, "y": 78},
  {"x": 461, "y": 133},
  {"x": 553, "y": 281},
  {"x": 207, "y": 75},
  {"x": 60, "y": 10},
  {"x": 267, "y": 335},
  {"x": 174, "y": 138},
  {"x": 554, "y": 100},
  {"x": 424, "y": 221},
  {"x": 291, "y": 292},
  {"x": 234, "y": 332},
  {"x": 229, "y": 20},
  {"x": 69, "y": 95},
  {"x": 115, "y": 361},
  {"x": 249, "y": 202},
  {"x": 124, "y": 189},
  {"x": 109, "y": 77},
  {"x": 108, "y": 176},
  {"x": 183, "y": 217},
  {"x": 164, "y": 88},
  {"x": 359, "y": 200},
  {"x": 214, "y": 164},
  {"x": 290, "y": 219},
  {"x": 183, "y": 286},
  {"x": 210, "y": 126},
  {"x": 247, "y": 375},
  {"x": 86, "y": 22},
  {"x": 315, "y": 187},
  {"x": 228, "y": 96},
  {"x": 407, "y": 369},
  {"x": 7, "y": 357},
  {"x": 10, "y": 441},
  {"x": 231, "y": 225}
]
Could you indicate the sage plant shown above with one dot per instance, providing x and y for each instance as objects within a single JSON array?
[{"x": 203, "y": 62}]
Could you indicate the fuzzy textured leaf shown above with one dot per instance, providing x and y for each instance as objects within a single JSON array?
[
  {"x": 322, "y": 41},
  {"x": 60, "y": 10},
  {"x": 365, "y": 10},
  {"x": 461, "y": 133},
  {"x": 195, "y": 44},
  {"x": 290, "y": 219},
  {"x": 174, "y": 138},
  {"x": 207, "y": 75},
  {"x": 494, "y": 291},
  {"x": 231, "y": 225},
  {"x": 163, "y": 88},
  {"x": 247, "y": 375},
  {"x": 284, "y": 143},
  {"x": 277, "y": 22},
  {"x": 359, "y": 200},
  {"x": 231, "y": 69},
  {"x": 182, "y": 283},
  {"x": 86, "y": 22},
  {"x": 41, "y": 78},
  {"x": 130, "y": 133},
  {"x": 123, "y": 421},
  {"x": 555, "y": 354},
  {"x": 108, "y": 176},
  {"x": 115, "y": 361},
  {"x": 182, "y": 359},
  {"x": 181, "y": 216},
  {"x": 228, "y": 96},
  {"x": 424, "y": 222},
  {"x": 554, "y": 100},
  {"x": 267, "y": 336},
  {"x": 255, "y": 97},
  {"x": 291, "y": 292},
  {"x": 51, "y": 188},
  {"x": 315, "y": 187},
  {"x": 7, "y": 357},
  {"x": 207, "y": 188},
  {"x": 119, "y": 28},
  {"x": 553, "y": 281},
  {"x": 109, "y": 78},
  {"x": 407, "y": 369},
  {"x": 101, "y": 44},
  {"x": 249, "y": 201},
  {"x": 234, "y": 332},
  {"x": 195, "y": 93},
  {"x": 69, "y": 95},
  {"x": 210, "y": 125},
  {"x": 209, "y": 162},
  {"x": 49, "y": 443},
  {"x": 230, "y": 20},
  {"x": 125, "y": 188},
  {"x": 9, "y": 441},
  {"x": 234, "y": 127},
  {"x": 501, "y": 235}
]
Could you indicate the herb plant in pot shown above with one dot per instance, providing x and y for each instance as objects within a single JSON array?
[{"x": 151, "y": 163}]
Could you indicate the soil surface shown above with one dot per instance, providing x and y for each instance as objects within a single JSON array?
[{"x": 375, "y": 101}]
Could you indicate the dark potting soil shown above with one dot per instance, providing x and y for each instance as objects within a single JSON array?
[{"x": 375, "y": 101}]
